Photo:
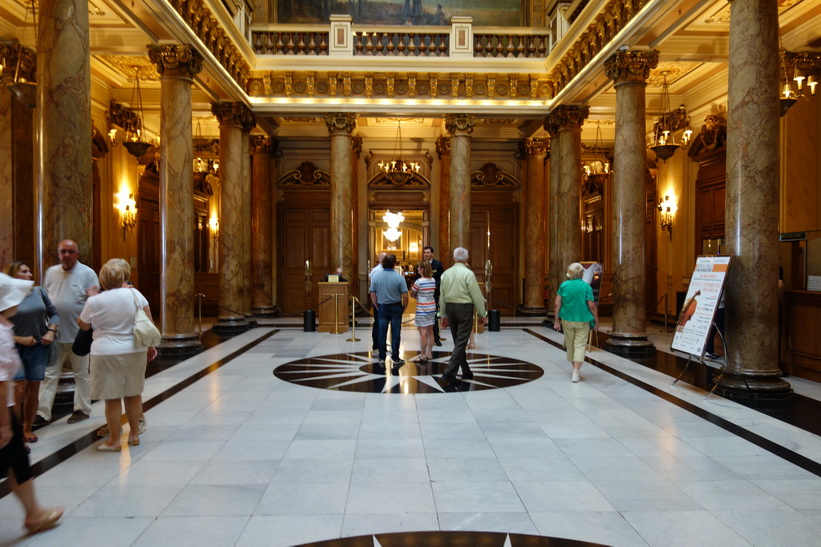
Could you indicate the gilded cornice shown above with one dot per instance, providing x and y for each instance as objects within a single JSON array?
[
  {"x": 340, "y": 122},
  {"x": 231, "y": 113},
  {"x": 566, "y": 116},
  {"x": 631, "y": 66},
  {"x": 400, "y": 85},
  {"x": 18, "y": 60},
  {"x": 534, "y": 147},
  {"x": 607, "y": 24},
  {"x": 461, "y": 123},
  {"x": 201, "y": 20},
  {"x": 174, "y": 60}
]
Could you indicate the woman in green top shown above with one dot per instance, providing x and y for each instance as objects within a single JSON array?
[{"x": 577, "y": 311}]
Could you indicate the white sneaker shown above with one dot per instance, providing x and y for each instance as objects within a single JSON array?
[
  {"x": 575, "y": 378},
  {"x": 142, "y": 426}
]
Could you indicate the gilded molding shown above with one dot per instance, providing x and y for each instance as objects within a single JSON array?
[
  {"x": 443, "y": 146},
  {"x": 231, "y": 113},
  {"x": 632, "y": 66},
  {"x": 490, "y": 177},
  {"x": 263, "y": 144},
  {"x": 463, "y": 123},
  {"x": 534, "y": 147},
  {"x": 340, "y": 122},
  {"x": 356, "y": 147},
  {"x": 174, "y": 60},
  {"x": 18, "y": 60},
  {"x": 566, "y": 116}
]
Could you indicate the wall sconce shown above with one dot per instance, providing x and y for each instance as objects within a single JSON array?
[
  {"x": 414, "y": 247},
  {"x": 214, "y": 224},
  {"x": 667, "y": 209},
  {"x": 128, "y": 211}
]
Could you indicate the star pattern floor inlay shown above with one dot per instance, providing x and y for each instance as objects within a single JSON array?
[{"x": 358, "y": 371}]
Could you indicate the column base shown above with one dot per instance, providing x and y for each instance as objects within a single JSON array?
[
  {"x": 180, "y": 344},
  {"x": 231, "y": 324},
  {"x": 754, "y": 387},
  {"x": 252, "y": 321},
  {"x": 266, "y": 311},
  {"x": 530, "y": 312},
  {"x": 629, "y": 343}
]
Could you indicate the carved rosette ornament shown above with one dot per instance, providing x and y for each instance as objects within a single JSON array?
[
  {"x": 534, "y": 147},
  {"x": 461, "y": 123},
  {"x": 344, "y": 122},
  {"x": 231, "y": 113},
  {"x": 173, "y": 60},
  {"x": 631, "y": 65},
  {"x": 443, "y": 147},
  {"x": 263, "y": 144},
  {"x": 565, "y": 116}
]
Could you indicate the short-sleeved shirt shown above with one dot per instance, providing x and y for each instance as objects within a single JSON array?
[
  {"x": 67, "y": 291},
  {"x": 111, "y": 315},
  {"x": 388, "y": 286},
  {"x": 425, "y": 288},
  {"x": 575, "y": 294},
  {"x": 9, "y": 362}
]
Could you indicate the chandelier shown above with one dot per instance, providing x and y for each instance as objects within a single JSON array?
[
  {"x": 134, "y": 137},
  {"x": 663, "y": 142},
  {"x": 393, "y": 220},
  {"x": 598, "y": 165},
  {"x": 397, "y": 169},
  {"x": 804, "y": 67}
]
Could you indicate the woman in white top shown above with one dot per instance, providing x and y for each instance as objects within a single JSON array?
[{"x": 117, "y": 363}]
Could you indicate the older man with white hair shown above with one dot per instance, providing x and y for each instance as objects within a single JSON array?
[{"x": 459, "y": 297}]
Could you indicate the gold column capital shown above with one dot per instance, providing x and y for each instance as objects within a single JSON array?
[
  {"x": 175, "y": 60},
  {"x": 566, "y": 116},
  {"x": 19, "y": 60},
  {"x": 631, "y": 65},
  {"x": 443, "y": 146},
  {"x": 229, "y": 113},
  {"x": 263, "y": 144},
  {"x": 534, "y": 147},
  {"x": 460, "y": 123},
  {"x": 340, "y": 121},
  {"x": 356, "y": 147}
]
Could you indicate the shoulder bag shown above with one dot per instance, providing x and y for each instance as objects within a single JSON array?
[{"x": 145, "y": 332}]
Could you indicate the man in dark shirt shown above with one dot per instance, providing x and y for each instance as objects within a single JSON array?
[{"x": 438, "y": 268}]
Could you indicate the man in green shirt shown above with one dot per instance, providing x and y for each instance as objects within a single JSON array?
[{"x": 459, "y": 297}]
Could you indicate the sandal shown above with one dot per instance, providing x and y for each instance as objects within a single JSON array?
[
  {"x": 53, "y": 514},
  {"x": 109, "y": 448},
  {"x": 30, "y": 438}
]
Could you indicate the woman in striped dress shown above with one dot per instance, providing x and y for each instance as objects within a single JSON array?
[{"x": 423, "y": 290}]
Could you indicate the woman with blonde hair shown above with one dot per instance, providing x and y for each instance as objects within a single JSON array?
[
  {"x": 575, "y": 313},
  {"x": 423, "y": 290},
  {"x": 117, "y": 362}
]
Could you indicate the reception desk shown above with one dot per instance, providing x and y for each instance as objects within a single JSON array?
[{"x": 333, "y": 307}]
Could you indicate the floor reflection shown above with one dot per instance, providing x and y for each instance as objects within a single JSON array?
[{"x": 358, "y": 371}]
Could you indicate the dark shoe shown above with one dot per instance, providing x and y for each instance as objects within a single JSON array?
[
  {"x": 395, "y": 370},
  {"x": 77, "y": 416},
  {"x": 397, "y": 362},
  {"x": 713, "y": 356},
  {"x": 375, "y": 348},
  {"x": 437, "y": 342},
  {"x": 378, "y": 368},
  {"x": 39, "y": 421},
  {"x": 449, "y": 380},
  {"x": 467, "y": 376}
]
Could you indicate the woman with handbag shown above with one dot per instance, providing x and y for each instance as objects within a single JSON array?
[
  {"x": 35, "y": 325},
  {"x": 118, "y": 359}
]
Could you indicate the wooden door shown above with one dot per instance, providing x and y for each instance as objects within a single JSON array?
[
  {"x": 304, "y": 234},
  {"x": 493, "y": 236},
  {"x": 150, "y": 258}
]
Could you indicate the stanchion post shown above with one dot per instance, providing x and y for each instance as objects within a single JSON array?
[
  {"x": 336, "y": 313},
  {"x": 353, "y": 337}
]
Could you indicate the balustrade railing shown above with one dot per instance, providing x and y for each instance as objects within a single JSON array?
[
  {"x": 510, "y": 45},
  {"x": 407, "y": 44},
  {"x": 291, "y": 42}
]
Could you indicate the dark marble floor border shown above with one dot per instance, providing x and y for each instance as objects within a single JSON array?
[{"x": 803, "y": 462}]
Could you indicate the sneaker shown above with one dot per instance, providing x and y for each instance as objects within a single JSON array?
[
  {"x": 77, "y": 416},
  {"x": 39, "y": 421},
  {"x": 397, "y": 362},
  {"x": 142, "y": 426},
  {"x": 575, "y": 377}
]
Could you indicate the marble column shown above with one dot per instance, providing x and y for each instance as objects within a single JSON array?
[
  {"x": 460, "y": 126},
  {"x": 340, "y": 127},
  {"x": 568, "y": 122},
  {"x": 249, "y": 122},
  {"x": 443, "y": 152},
  {"x": 64, "y": 127},
  {"x": 262, "y": 225},
  {"x": 629, "y": 70},
  {"x": 553, "y": 214},
  {"x": 177, "y": 66},
  {"x": 752, "y": 206},
  {"x": 232, "y": 117},
  {"x": 534, "y": 152}
]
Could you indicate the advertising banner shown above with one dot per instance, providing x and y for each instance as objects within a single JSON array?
[{"x": 700, "y": 305}]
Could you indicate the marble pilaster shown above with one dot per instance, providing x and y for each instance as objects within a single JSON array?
[
  {"x": 262, "y": 216},
  {"x": 553, "y": 274},
  {"x": 248, "y": 123},
  {"x": 460, "y": 126},
  {"x": 340, "y": 127},
  {"x": 231, "y": 118},
  {"x": 443, "y": 152},
  {"x": 629, "y": 70},
  {"x": 177, "y": 66},
  {"x": 64, "y": 126},
  {"x": 568, "y": 122},
  {"x": 534, "y": 152},
  {"x": 752, "y": 208}
]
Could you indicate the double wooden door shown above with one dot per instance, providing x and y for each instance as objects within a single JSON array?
[{"x": 304, "y": 236}]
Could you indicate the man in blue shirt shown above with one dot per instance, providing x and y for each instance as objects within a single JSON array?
[{"x": 389, "y": 294}]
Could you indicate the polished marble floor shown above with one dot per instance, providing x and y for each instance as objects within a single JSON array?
[{"x": 235, "y": 455}]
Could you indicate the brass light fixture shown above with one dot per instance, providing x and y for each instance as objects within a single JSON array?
[
  {"x": 667, "y": 209},
  {"x": 800, "y": 71},
  {"x": 397, "y": 169},
  {"x": 663, "y": 142},
  {"x": 135, "y": 144},
  {"x": 128, "y": 212},
  {"x": 598, "y": 165}
]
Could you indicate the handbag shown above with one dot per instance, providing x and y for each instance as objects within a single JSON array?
[
  {"x": 82, "y": 343},
  {"x": 146, "y": 332}
]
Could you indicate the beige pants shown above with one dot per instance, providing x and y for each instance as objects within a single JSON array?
[{"x": 575, "y": 339}]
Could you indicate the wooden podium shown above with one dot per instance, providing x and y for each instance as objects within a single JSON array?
[{"x": 333, "y": 307}]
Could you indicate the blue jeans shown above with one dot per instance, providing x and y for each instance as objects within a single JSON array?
[
  {"x": 34, "y": 359},
  {"x": 390, "y": 313}
]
